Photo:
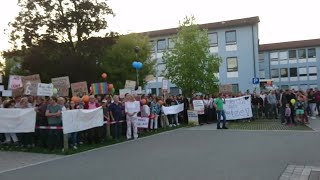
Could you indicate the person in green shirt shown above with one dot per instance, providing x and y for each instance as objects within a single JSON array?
[
  {"x": 218, "y": 103},
  {"x": 53, "y": 114}
]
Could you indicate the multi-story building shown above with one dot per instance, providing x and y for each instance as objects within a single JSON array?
[
  {"x": 235, "y": 41},
  {"x": 293, "y": 65}
]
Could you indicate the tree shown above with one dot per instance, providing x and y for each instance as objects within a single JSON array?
[
  {"x": 64, "y": 21},
  {"x": 118, "y": 59},
  {"x": 190, "y": 65}
]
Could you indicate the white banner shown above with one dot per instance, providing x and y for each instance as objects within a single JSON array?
[
  {"x": 238, "y": 108},
  {"x": 17, "y": 120},
  {"x": 45, "y": 89},
  {"x": 142, "y": 122},
  {"x": 173, "y": 109},
  {"x": 81, "y": 119},
  {"x": 198, "y": 106}
]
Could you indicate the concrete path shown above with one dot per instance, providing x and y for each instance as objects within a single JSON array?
[{"x": 186, "y": 155}]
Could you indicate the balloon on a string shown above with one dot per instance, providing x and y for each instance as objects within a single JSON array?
[
  {"x": 104, "y": 75},
  {"x": 134, "y": 64},
  {"x": 85, "y": 98},
  {"x": 75, "y": 99},
  {"x": 293, "y": 101},
  {"x": 139, "y": 65},
  {"x": 55, "y": 91},
  {"x": 110, "y": 86}
]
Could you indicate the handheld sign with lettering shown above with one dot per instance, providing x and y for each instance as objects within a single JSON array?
[
  {"x": 193, "y": 118},
  {"x": 15, "y": 82},
  {"x": 45, "y": 89},
  {"x": 30, "y": 84},
  {"x": 165, "y": 84},
  {"x": 62, "y": 84},
  {"x": 198, "y": 106},
  {"x": 130, "y": 84},
  {"x": 79, "y": 89}
]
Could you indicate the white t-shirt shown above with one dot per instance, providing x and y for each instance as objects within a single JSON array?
[
  {"x": 132, "y": 107},
  {"x": 145, "y": 111}
]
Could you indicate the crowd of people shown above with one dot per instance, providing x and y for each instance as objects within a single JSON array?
[{"x": 290, "y": 106}]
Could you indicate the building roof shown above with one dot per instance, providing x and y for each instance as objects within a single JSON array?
[
  {"x": 209, "y": 26},
  {"x": 289, "y": 45}
]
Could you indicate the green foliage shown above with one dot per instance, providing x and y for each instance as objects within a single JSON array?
[
  {"x": 118, "y": 59},
  {"x": 190, "y": 65}
]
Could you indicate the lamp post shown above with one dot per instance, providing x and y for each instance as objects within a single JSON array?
[{"x": 137, "y": 65}]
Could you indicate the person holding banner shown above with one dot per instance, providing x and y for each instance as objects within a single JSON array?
[
  {"x": 155, "y": 112},
  {"x": 116, "y": 114},
  {"x": 9, "y": 136},
  {"x": 218, "y": 103},
  {"x": 132, "y": 109}
]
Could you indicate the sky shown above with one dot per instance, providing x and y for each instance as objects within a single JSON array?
[{"x": 280, "y": 20}]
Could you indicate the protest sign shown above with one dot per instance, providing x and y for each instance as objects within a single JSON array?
[
  {"x": 193, "y": 118},
  {"x": 17, "y": 120},
  {"x": 30, "y": 84},
  {"x": 225, "y": 89},
  {"x": 130, "y": 84},
  {"x": 198, "y": 106},
  {"x": 123, "y": 92},
  {"x": 81, "y": 119},
  {"x": 100, "y": 88},
  {"x": 173, "y": 109},
  {"x": 15, "y": 82},
  {"x": 138, "y": 91},
  {"x": 62, "y": 84},
  {"x": 238, "y": 108},
  {"x": 1, "y": 87},
  {"x": 79, "y": 89},
  {"x": 7, "y": 93},
  {"x": 142, "y": 122},
  {"x": 165, "y": 84},
  {"x": 45, "y": 89},
  {"x": 17, "y": 92},
  {"x": 1, "y": 78}
]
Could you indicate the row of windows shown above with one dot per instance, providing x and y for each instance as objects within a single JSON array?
[
  {"x": 291, "y": 54},
  {"x": 230, "y": 36},
  {"x": 293, "y": 72}
]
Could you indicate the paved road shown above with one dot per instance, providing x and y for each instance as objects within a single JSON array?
[{"x": 186, "y": 154}]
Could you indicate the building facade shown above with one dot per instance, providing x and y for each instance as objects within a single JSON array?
[
  {"x": 235, "y": 41},
  {"x": 291, "y": 65}
]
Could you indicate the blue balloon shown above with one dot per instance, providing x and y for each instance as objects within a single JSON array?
[
  {"x": 134, "y": 64},
  {"x": 139, "y": 65}
]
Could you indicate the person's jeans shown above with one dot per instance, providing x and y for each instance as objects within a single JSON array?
[
  {"x": 283, "y": 111},
  {"x": 73, "y": 138},
  {"x": 255, "y": 110},
  {"x": 312, "y": 109},
  {"x": 273, "y": 111},
  {"x": 223, "y": 115}
]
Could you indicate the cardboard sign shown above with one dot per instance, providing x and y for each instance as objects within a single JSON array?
[
  {"x": 226, "y": 89},
  {"x": 62, "y": 84},
  {"x": 142, "y": 122},
  {"x": 238, "y": 108},
  {"x": 79, "y": 89},
  {"x": 198, "y": 106},
  {"x": 7, "y": 93},
  {"x": 165, "y": 84},
  {"x": 45, "y": 89},
  {"x": 193, "y": 118},
  {"x": 130, "y": 84},
  {"x": 100, "y": 88},
  {"x": 123, "y": 92},
  {"x": 15, "y": 82},
  {"x": 30, "y": 84},
  {"x": 17, "y": 92}
]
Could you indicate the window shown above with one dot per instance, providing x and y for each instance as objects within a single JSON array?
[
  {"x": 285, "y": 87},
  {"x": 302, "y": 53},
  {"x": 152, "y": 45},
  {"x": 232, "y": 64},
  {"x": 283, "y": 55},
  {"x": 235, "y": 88},
  {"x": 292, "y": 54},
  {"x": 262, "y": 74},
  {"x": 231, "y": 37},
  {"x": 302, "y": 71},
  {"x": 171, "y": 43},
  {"x": 161, "y": 44},
  {"x": 284, "y": 72},
  {"x": 161, "y": 69},
  {"x": 293, "y": 72},
  {"x": 213, "y": 39},
  {"x": 274, "y": 56},
  {"x": 311, "y": 53},
  {"x": 261, "y": 57},
  {"x": 313, "y": 71},
  {"x": 274, "y": 73}
]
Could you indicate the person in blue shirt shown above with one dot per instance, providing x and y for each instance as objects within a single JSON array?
[{"x": 116, "y": 113}]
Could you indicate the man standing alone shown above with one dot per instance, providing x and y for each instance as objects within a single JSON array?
[{"x": 218, "y": 103}]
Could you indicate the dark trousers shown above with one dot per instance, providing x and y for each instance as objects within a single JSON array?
[
  {"x": 223, "y": 115},
  {"x": 55, "y": 138},
  {"x": 212, "y": 115},
  {"x": 288, "y": 119},
  {"x": 282, "y": 112},
  {"x": 273, "y": 111},
  {"x": 26, "y": 139},
  {"x": 116, "y": 130}
]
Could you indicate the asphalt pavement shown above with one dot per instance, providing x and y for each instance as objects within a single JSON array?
[{"x": 200, "y": 153}]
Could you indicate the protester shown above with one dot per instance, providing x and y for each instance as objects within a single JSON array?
[
  {"x": 9, "y": 136},
  {"x": 272, "y": 100},
  {"x": 220, "y": 111},
  {"x": 41, "y": 120},
  {"x": 116, "y": 114},
  {"x": 155, "y": 113},
  {"x": 288, "y": 114},
  {"x": 131, "y": 109}
]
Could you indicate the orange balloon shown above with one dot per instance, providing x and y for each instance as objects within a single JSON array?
[
  {"x": 110, "y": 86},
  {"x": 85, "y": 98},
  {"x": 104, "y": 75},
  {"x": 143, "y": 101},
  {"x": 75, "y": 99}
]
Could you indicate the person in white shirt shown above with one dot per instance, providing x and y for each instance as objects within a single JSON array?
[
  {"x": 131, "y": 109},
  {"x": 61, "y": 102}
]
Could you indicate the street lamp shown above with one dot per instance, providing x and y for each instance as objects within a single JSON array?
[{"x": 137, "y": 65}]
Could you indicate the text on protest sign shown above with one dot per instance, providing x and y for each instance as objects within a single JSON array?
[
  {"x": 30, "y": 84},
  {"x": 198, "y": 106},
  {"x": 7, "y": 93},
  {"x": 45, "y": 89},
  {"x": 130, "y": 84},
  {"x": 123, "y": 92},
  {"x": 81, "y": 119},
  {"x": 238, "y": 108},
  {"x": 15, "y": 82},
  {"x": 142, "y": 122},
  {"x": 17, "y": 120},
  {"x": 193, "y": 117},
  {"x": 173, "y": 109},
  {"x": 79, "y": 89}
]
